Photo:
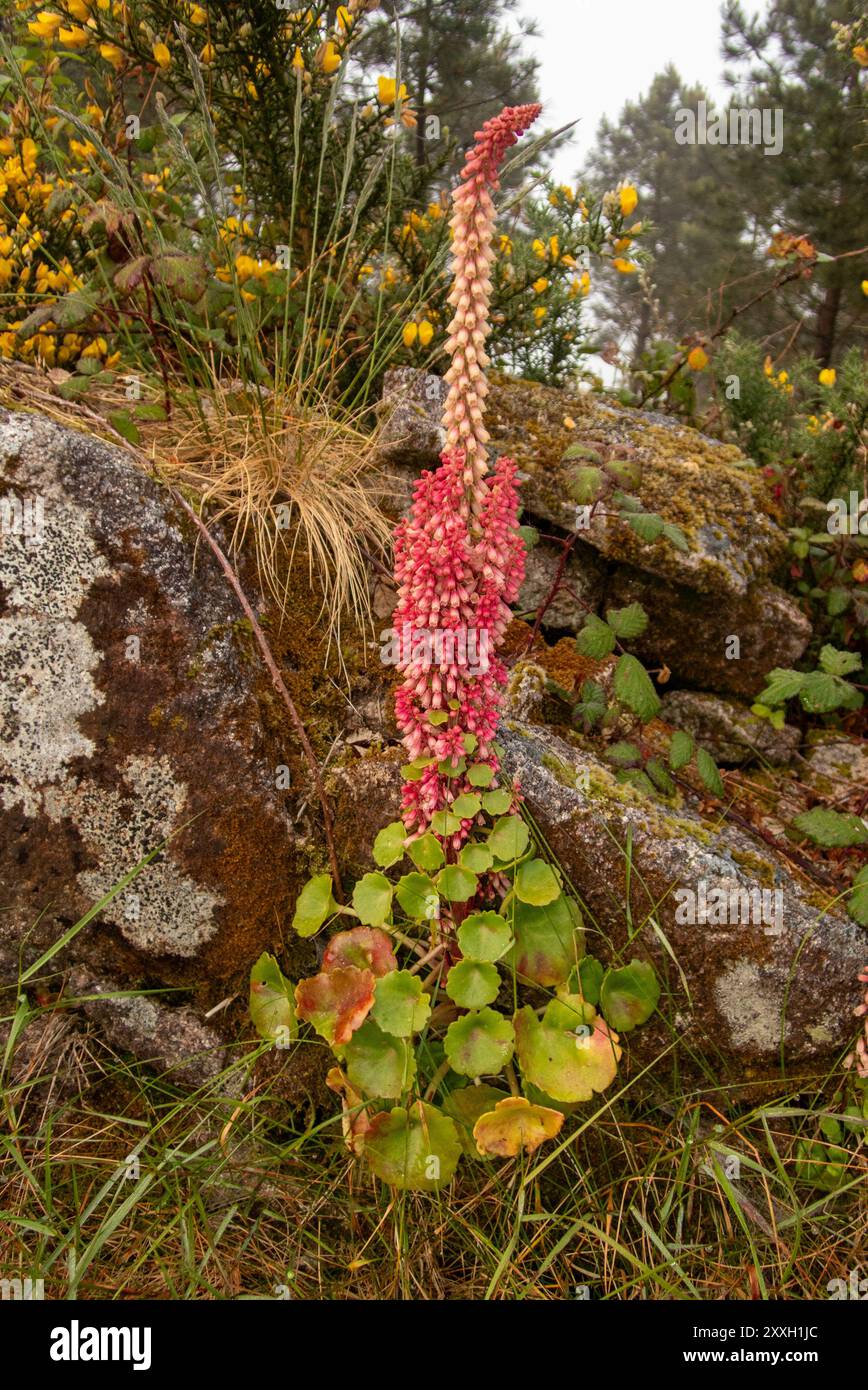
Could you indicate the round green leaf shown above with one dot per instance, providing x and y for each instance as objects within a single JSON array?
[
  {"x": 426, "y": 852},
  {"x": 629, "y": 996},
  {"x": 444, "y": 823},
  {"x": 484, "y": 936},
  {"x": 480, "y": 775},
  {"x": 400, "y": 1007},
  {"x": 509, "y": 838},
  {"x": 568, "y": 1064},
  {"x": 272, "y": 1006},
  {"x": 389, "y": 844},
  {"x": 472, "y": 985},
  {"x": 418, "y": 896},
  {"x": 479, "y": 1044},
  {"x": 416, "y": 1150},
  {"x": 456, "y": 884},
  {"x": 372, "y": 899},
  {"x": 535, "y": 883},
  {"x": 549, "y": 942},
  {"x": 476, "y": 858},
  {"x": 379, "y": 1064},
  {"x": 498, "y": 802},
  {"x": 314, "y": 904},
  {"x": 467, "y": 805}
]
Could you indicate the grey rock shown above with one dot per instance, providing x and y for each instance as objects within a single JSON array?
[
  {"x": 172, "y": 1040},
  {"x": 411, "y": 410},
  {"x": 743, "y": 989},
  {"x": 730, "y": 732},
  {"x": 581, "y": 589},
  {"x": 131, "y": 716},
  {"x": 693, "y": 633}
]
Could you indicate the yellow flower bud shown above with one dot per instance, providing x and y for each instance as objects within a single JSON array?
[
  {"x": 827, "y": 376},
  {"x": 426, "y": 333},
  {"x": 410, "y": 334}
]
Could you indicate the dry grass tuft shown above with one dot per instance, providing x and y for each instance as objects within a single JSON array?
[
  {"x": 290, "y": 482},
  {"x": 296, "y": 483}
]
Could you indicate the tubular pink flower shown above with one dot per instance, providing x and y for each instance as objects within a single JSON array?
[
  {"x": 459, "y": 561},
  {"x": 472, "y": 255}
]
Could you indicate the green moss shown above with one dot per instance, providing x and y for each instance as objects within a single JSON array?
[{"x": 756, "y": 866}]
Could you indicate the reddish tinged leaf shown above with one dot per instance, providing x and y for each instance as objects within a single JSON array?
[
  {"x": 366, "y": 948},
  {"x": 337, "y": 1002},
  {"x": 354, "y": 1120},
  {"x": 515, "y": 1124}
]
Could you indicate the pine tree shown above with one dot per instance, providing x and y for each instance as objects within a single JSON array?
[
  {"x": 461, "y": 60},
  {"x": 701, "y": 237},
  {"x": 818, "y": 185}
]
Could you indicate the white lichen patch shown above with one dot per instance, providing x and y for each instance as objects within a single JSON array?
[
  {"x": 751, "y": 1007},
  {"x": 163, "y": 911},
  {"x": 47, "y": 657}
]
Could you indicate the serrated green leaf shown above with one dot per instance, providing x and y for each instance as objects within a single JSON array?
[
  {"x": 628, "y": 622},
  {"x": 634, "y": 687},
  {"x": 838, "y": 663},
  {"x": 832, "y": 829},
  {"x": 781, "y": 685},
  {"x": 708, "y": 772},
  {"x": 596, "y": 638},
  {"x": 647, "y": 525}
]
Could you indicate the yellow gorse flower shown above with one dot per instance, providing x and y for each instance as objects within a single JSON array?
[
  {"x": 541, "y": 285},
  {"x": 45, "y": 25},
  {"x": 388, "y": 91},
  {"x": 628, "y": 198},
  {"x": 827, "y": 377},
  {"x": 330, "y": 60},
  {"x": 76, "y": 37},
  {"x": 162, "y": 56},
  {"x": 697, "y": 359},
  {"x": 623, "y": 267}
]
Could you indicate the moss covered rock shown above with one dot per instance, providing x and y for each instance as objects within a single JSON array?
[{"x": 135, "y": 714}]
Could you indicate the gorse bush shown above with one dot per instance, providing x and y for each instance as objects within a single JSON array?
[
  {"x": 498, "y": 927},
  {"x": 217, "y": 197}
]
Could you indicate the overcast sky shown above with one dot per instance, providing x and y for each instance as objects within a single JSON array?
[{"x": 597, "y": 54}]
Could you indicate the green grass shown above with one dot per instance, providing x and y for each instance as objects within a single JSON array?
[{"x": 235, "y": 1196}]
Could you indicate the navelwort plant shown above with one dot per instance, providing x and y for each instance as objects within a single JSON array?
[{"x": 494, "y": 970}]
